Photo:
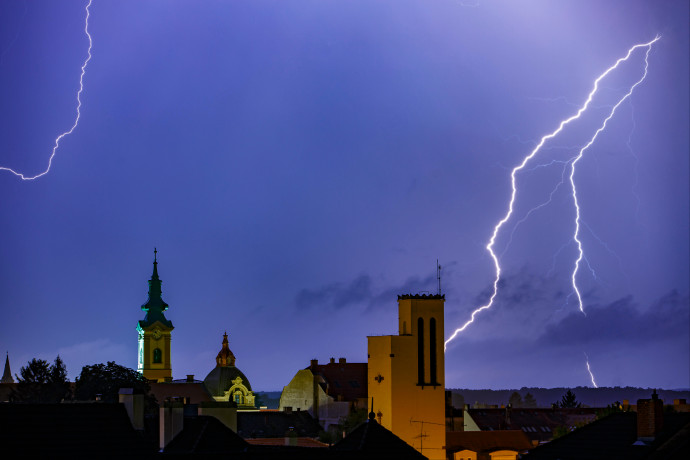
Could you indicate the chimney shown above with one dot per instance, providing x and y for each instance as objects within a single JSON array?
[
  {"x": 288, "y": 410},
  {"x": 508, "y": 409},
  {"x": 190, "y": 377},
  {"x": 314, "y": 363},
  {"x": 291, "y": 437},
  {"x": 332, "y": 360},
  {"x": 134, "y": 404},
  {"x": 341, "y": 360},
  {"x": 171, "y": 421},
  {"x": 650, "y": 417}
]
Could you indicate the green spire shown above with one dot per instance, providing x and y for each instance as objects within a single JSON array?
[
  {"x": 154, "y": 306},
  {"x": 155, "y": 300}
]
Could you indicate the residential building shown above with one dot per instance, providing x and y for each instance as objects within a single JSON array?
[{"x": 328, "y": 392}]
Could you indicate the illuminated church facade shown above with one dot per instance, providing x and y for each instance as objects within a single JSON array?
[
  {"x": 224, "y": 383},
  {"x": 154, "y": 333}
]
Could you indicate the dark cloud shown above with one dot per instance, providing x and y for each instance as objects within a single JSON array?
[
  {"x": 524, "y": 288},
  {"x": 361, "y": 291},
  {"x": 413, "y": 285},
  {"x": 623, "y": 322},
  {"x": 337, "y": 295}
]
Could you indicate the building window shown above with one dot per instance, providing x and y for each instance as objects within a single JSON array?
[
  {"x": 157, "y": 355},
  {"x": 404, "y": 327},
  {"x": 432, "y": 351},
  {"x": 420, "y": 351}
]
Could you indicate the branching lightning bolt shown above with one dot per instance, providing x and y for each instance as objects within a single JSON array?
[
  {"x": 532, "y": 154},
  {"x": 579, "y": 156},
  {"x": 76, "y": 121}
]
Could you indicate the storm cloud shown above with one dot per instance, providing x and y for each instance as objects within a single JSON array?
[{"x": 622, "y": 321}]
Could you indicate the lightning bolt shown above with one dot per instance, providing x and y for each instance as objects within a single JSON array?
[
  {"x": 532, "y": 154},
  {"x": 76, "y": 121},
  {"x": 590, "y": 371},
  {"x": 579, "y": 157}
]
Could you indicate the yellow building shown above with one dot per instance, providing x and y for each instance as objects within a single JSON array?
[
  {"x": 406, "y": 375},
  {"x": 154, "y": 333}
]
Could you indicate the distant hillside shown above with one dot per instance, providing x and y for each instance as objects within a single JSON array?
[
  {"x": 593, "y": 397},
  {"x": 270, "y": 399}
]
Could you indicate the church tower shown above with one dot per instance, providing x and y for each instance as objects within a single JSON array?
[
  {"x": 7, "y": 375},
  {"x": 406, "y": 375},
  {"x": 154, "y": 333}
]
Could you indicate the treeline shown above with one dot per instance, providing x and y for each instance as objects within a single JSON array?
[
  {"x": 42, "y": 382},
  {"x": 545, "y": 397}
]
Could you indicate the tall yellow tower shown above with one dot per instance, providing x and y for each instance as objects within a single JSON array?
[
  {"x": 406, "y": 375},
  {"x": 154, "y": 333}
]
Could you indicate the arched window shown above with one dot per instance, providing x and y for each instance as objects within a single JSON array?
[
  {"x": 420, "y": 351},
  {"x": 432, "y": 351},
  {"x": 404, "y": 327},
  {"x": 157, "y": 355}
]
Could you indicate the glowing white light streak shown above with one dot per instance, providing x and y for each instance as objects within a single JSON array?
[
  {"x": 76, "y": 121},
  {"x": 533, "y": 153},
  {"x": 579, "y": 156},
  {"x": 590, "y": 372}
]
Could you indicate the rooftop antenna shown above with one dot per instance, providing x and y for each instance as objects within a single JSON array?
[{"x": 438, "y": 276}]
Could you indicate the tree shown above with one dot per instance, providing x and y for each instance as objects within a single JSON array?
[
  {"x": 610, "y": 409},
  {"x": 529, "y": 401},
  {"x": 515, "y": 400},
  {"x": 569, "y": 400},
  {"x": 41, "y": 382},
  {"x": 107, "y": 379}
]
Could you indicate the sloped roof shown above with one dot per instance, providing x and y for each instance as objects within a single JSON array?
[
  {"x": 487, "y": 441},
  {"x": 345, "y": 380},
  {"x": 205, "y": 434},
  {"x": 274, "y": 424},
  {"x": 72, "y": 429},
  {"x": 372, "y": 440},
  {"x": 196, "y": 392},
  {"x": 537, "y": 423},
  {"x": 301, "y": 442},
  {"x": 611, "y": 437}
]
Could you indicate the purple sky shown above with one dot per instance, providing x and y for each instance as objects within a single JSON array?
[{"x": 298, "y": 164}]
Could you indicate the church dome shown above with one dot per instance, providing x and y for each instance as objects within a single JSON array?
[
  {"x": 226, "y": 382},
  {"x": 220, "y": 379},
  {"x": 225, "y": 356}
]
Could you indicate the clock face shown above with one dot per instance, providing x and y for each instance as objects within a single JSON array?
[{"x": 156, "y": 333}]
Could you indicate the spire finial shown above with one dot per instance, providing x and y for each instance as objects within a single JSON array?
[
  {"x": 155, "y": 255},
  {"x": 372, "y": 415}
]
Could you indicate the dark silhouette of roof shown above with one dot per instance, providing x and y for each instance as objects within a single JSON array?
[
  {"x": 300, "y": 442},
  {"x": 195, "y": 392},
  {"x": 344, "y": 381},
  {"x": 206, "y": 434},
  {"x": 371, "y": 440},
  {"x": 537, "y": 423},
  {"x": 97, "y": 430},
  {"x": 421, "y": 296},
  {"x": 274, "y": 424},
  {"x": 487, "y": 441},
  {"x": 614, "y": 437}
]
